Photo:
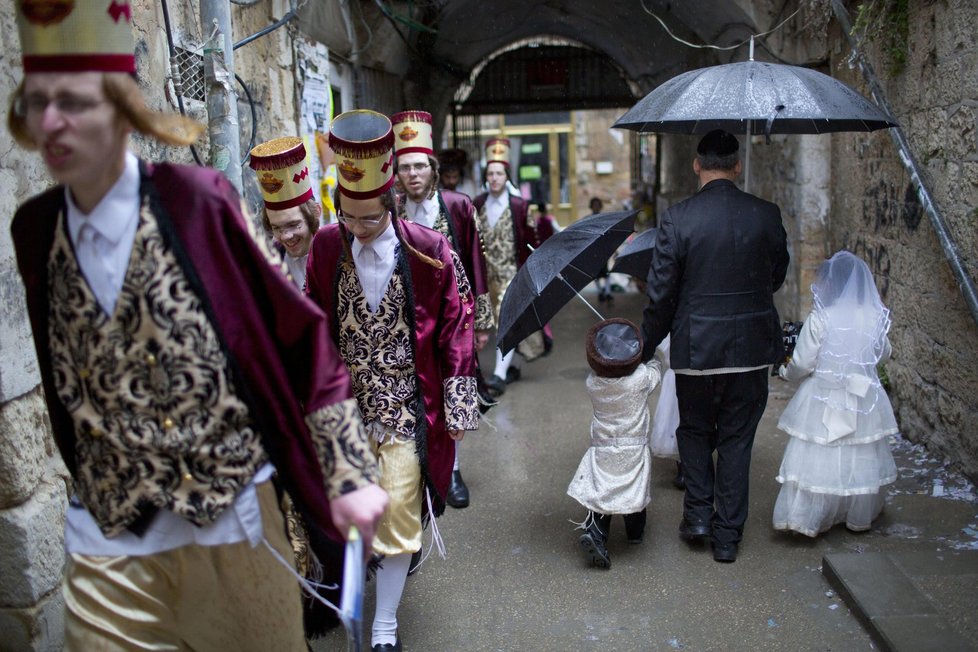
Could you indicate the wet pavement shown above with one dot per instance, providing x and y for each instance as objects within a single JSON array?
[{"x": 515, "y": 579}]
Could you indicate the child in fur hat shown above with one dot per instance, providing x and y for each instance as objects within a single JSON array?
[{"x": 615, "y": 473}]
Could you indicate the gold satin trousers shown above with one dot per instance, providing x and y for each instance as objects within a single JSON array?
[
  {"x": 399, "y": 530},
  {"x": 206, "y": 598}
]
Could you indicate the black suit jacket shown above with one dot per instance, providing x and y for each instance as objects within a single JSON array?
[{"x": 719, "y": 257}]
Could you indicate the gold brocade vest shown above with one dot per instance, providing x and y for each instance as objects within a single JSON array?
[
  {"x": 379, "y": 353},
  {"x": 157, "y": 420},
  {"x": 500, "y": 250}
]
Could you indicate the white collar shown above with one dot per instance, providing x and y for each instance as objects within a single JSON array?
[
  {"x": 113, "y": 213},
  {"x": 383, "y": 244},
  {"x": 500, "y": 200},
  {"x": 428, "y": 206}
]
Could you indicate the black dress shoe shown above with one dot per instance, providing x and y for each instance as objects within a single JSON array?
[
  {"x": 725, "y": 553},
  {"x": 387, "y": 647},
  {"x": 513, "y": 374},
  {"x": 694, "y": 531},
  {"x": 496, "y": 385},
  {"x": 679, "y": 482},
  {"x": 458, "y": 493}
]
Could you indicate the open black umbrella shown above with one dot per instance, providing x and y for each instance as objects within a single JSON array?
[
  {"x": 635, "y": 257},
  {"x": 553, "y": 274},
  {"x": 753, "y": 97}
]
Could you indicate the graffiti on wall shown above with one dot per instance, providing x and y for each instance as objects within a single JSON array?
[{"x": 885, "y": 205}]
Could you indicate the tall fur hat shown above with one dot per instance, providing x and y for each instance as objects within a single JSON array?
[{"x": 614, "y": 348}]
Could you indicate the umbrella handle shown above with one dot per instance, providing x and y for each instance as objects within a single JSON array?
[
  {"x": 561, "y": 277},
  {"x": 586, "y": 302}
]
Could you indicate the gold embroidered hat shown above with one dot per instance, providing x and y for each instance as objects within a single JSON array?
[
  {"x": 363, "y": 142},
  {"x": 283, "y": 173},
  {"x": 412, "y": 133},
  {"x": 76, "y": 35},
  {"x": 497, "y": 151}
]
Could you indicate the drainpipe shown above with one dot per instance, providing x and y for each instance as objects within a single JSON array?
[
  {"x": 961, "y": 275},
  {"x": 222, "y": 103},
  {"x": 351, "y": 34}
]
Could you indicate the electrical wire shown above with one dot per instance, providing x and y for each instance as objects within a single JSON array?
[
  {"x": 254, "y": 119},
  {"x": 175, "y": 72},
  {"x": 709, "y": 45}
]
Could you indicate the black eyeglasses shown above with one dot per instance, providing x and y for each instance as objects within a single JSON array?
[
  {"x": 366, "y": 220},
  {"x": 407, "y": 168}
]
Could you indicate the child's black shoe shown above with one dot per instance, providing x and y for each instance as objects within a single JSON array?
[{"x": 593, "y": 545}]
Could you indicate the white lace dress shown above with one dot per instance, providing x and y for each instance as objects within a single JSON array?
[
  {"x": 838, "y": 458},
  {"x": 614, "y": 477}
]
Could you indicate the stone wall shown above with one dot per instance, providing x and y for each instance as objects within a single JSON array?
[
  {"x": 33, "y": 481},
  {"x": 876, "y": 214}
]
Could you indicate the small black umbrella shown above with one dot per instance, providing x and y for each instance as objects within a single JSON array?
[
  {"x": 635, "y": 257},
  {"x": 553, "y": 274}
]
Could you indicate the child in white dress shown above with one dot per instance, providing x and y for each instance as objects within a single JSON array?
[
  {"x": 614, "y": 475},
  {"x": 666, "y": 418},
  {"x": 838, "y": 458}
]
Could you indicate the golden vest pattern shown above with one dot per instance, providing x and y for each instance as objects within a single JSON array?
[
  {"x": 378, "y": 351},
  {"x": 500, "y": 250},
  {"x": 157, "y": 419}
]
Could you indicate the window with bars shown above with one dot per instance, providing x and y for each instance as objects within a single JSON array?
[{"x": 191, "y": 67}]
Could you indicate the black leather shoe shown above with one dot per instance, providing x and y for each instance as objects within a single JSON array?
[
  {"x": 458, "y": 493},
  {"x": 387, "y": 647},
  {"x": 513, "y": 374},
  {"x": 595, "y": 550},
  {"x": 679, "y": 482},
  {"x": 496, "y": 385},
  {"x": 725, "y": 553},
  {"x": 694, "y": 531}
]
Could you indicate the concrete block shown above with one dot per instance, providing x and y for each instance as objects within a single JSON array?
[
  {"x": 919, "y": 633},
  {"x": 23, "y": 447},
  {"x": 32, "y": 545},
  {"x": 876, "y": 584},
  {"x": 40, "y": 627}
]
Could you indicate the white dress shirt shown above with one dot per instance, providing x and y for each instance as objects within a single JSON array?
[
  {"x": 104, "y": 260},
  {"x": 375, "y": 265},
  {"x": 424, "y": 212},
  {"x": 495, "y": 206},
  {"x": 297, "y": 268},
  {"x": 103, "y": 238}
]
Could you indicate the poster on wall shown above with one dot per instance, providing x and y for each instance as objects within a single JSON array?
[{"x": 315, "y": 118}]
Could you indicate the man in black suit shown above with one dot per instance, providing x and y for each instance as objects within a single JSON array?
[{"x": 719, "y": 257}]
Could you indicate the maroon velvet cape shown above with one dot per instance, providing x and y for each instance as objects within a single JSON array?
[
  {"x": 282, "y": 360},
  {"x": 441, "y": 325},
  {"x": 465, "y": 238}
]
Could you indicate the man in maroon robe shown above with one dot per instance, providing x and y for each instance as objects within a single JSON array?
[
  {"x": 509, "y": 235},
  {"x": 180, "y": 368},
  {"x": 451, "y": 214},
  {"x": 401, "y": 313}
]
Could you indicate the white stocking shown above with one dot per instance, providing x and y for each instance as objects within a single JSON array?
[
  {"x": 390, "y": 585},
  {"x": 455, "y": 466},
  {"x": 502, "y": 363}
]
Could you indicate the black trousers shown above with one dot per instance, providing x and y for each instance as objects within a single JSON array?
[{"x": 719, "y": 413}]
